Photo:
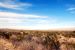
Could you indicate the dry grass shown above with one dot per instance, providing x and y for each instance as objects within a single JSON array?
[{"x": 37, "y": 40}]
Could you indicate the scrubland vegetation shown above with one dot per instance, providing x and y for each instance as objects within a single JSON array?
[{"x": 37, "y": 40}]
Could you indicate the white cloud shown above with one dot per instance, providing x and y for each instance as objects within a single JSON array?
[
  {"x": 8, "y": 6},
  {"x": 28, "y": 21},
  {"x": 16, "y": 15},
  {"x": 9, "y": 20},
  {"x": 17, "y": 6},
  {"x": 71, "y": 8},
  {"x": 21, "y": 21}
]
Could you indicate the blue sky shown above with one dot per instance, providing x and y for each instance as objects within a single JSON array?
[{"x": 37, "y": 14}]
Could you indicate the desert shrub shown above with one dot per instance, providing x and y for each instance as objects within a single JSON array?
[
  {"x": 28, "y": 37},
  {"x": 17, "y": 37},
  {"x": 20, "y": 36},
  {"x": 6, "y": 35},
  {"x": 69, "y": 34},
  {"x": 51, "y": 43}
]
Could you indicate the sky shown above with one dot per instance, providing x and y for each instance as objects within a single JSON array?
[{"x": 37, "y": 14}]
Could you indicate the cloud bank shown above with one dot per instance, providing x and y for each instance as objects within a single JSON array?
[
  {"x": 28, "y": 21},
  {"x": 16, "y": 20}
]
